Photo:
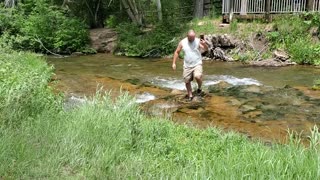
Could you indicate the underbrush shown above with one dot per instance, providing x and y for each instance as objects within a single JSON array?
[
  {"x": 43, "y": 28},
  {"x": 157, "y": 41},
  {"x": 294, "y": 33},
  {"x": 113, "y": 139}
]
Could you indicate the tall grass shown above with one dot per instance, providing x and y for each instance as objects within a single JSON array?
[{"x": 112, "y": 139}]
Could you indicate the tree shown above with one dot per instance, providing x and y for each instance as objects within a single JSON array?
[
  {"x": 134, "y": 13},
  {"x": 10, "y": 3},
  {"x": 198, "y": 8},
  {"x": 159, "y": 10}
]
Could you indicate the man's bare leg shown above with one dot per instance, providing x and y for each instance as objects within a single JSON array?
[
  {"x": 189, "y": 89},
  {"x": 199, "y": 81}
]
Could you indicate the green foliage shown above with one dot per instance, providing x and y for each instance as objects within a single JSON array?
[
  {"x": 202, "y": 26},
  {"x": 234, "y": 25},
  {"x": 246, "y": 56},
  {"x": 298, "y": 42},
  {"x": 111, "y": 21},
  {"x": 316, "y": 84},
  {"x": 302, "y": 51},
  {"x": 42, "y": 27},
  {"x": 23, "y": 87},
  {"x": 157, "y": 42}
]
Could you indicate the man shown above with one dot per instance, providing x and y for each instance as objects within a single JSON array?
[{"x": 192, "y": 63}]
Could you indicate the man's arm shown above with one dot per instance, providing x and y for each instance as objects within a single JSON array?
[
  {"x": 176, "y": 55},
  {"x": 203, "y": 45}
]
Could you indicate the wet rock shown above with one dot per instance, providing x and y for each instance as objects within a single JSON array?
[
  {"x": 220, "y": 87},
  {"x": 252, "y": 89},
  {"x": 176, "y": 92},
  {"x": 235, "y": 102},
  {"x": 253, "y": 115},
  {"x": 247, "y": 108},
  {"x": 77, "y": 54},
  {"x": 133, "y": 81}
]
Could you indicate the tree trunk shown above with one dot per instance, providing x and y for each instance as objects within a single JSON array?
[
  {"x": 132, "y": 11},
  {"x": 198, "y": 9},
  {"x": 268, "y": 9},
  {"x": 310, "y": 5},
  {"x": 231, "y": 9},
  {"x": 159, "y": 10},
  {"x": 9, "y": 3}
]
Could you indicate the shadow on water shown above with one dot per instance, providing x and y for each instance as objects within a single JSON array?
[{"x": 258, "y": 102}]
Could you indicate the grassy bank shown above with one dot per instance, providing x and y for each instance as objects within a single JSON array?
[{"x": 108, "y": 139}]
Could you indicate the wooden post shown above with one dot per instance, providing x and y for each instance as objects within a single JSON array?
[
  {"x": 231, "y": 7},
  {"x": 159, "y": 10},
  {"x": 267, "y": 10},
  {"x": 310, "y": 4},
  {"x": 244, "y": 4}
]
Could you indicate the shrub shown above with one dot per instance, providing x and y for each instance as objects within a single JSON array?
[
  {"x": 45, "y": 28},
  {"x": 157, "y": 42},
  {"x": 23, "y": 87},
  {"x": 298, "y": 42}
]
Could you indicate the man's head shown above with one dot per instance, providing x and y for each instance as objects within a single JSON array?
[{"x": 191, "y": 35}]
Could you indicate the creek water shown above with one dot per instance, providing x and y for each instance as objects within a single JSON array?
[{"x": 153, "y": 80}]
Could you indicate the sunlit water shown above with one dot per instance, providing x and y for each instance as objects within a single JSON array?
[{"x": 159, "y": 72}]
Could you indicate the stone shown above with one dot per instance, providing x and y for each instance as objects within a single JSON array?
[
  {"x": 235, "y": 102},
  {"x": 76, "y": 54},
  {"x": 247, "y": 108},
  {"x": 280, "y": 55},
  {"x": 252, "y": 89},
  {"x": 103, "y": 40},
  {"x": 220, "y": 87},
  {"x": 176, "y": 92},
  {"x": 269, "y": 28}
]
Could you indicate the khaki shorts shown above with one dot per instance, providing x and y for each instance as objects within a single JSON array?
[{"x": 190, "y": 73}]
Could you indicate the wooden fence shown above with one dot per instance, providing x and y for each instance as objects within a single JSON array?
[{"x": 244, "y": 7}]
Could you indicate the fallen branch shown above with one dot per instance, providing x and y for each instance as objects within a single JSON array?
[{"x": 39, "y": 41}]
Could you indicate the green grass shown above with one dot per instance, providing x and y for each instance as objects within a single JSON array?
[{"x": 113, "y": 139}]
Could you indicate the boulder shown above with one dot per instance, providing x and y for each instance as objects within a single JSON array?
[
  {"x": 273, "y": 62},
  {"x": 280, "y": 55},
  {"x": 103, "y": 40}
]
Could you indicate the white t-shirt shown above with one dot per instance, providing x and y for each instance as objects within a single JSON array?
[{"x": 192, "y": 54}]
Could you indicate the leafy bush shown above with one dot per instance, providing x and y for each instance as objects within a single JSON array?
[
  {"x": 132, "y": 41},
  {"x": 111, "y": 21},
  {"x": 23, "y": 87},
  {"x": 45, "y": 28},
  {"x": 299, "y": 41}
]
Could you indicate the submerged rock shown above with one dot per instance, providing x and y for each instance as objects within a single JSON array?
[{"x": 268, "y": 103}]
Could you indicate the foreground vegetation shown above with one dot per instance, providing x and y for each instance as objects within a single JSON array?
[{"x": 103, "y": 138}]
